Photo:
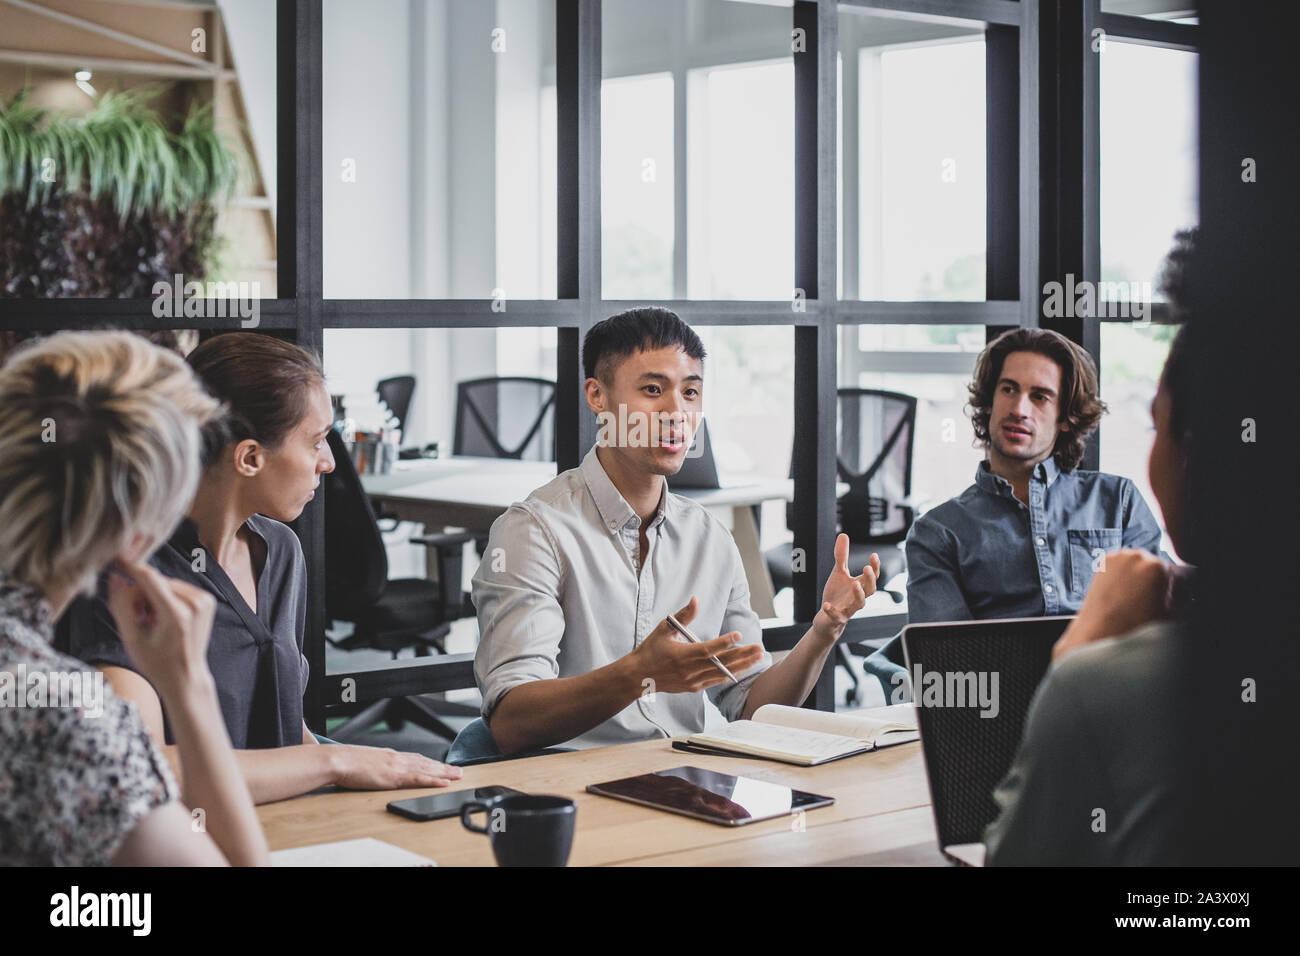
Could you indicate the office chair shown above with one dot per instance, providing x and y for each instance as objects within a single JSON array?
[
  {"x": 510, "y": 417},
  {"x": 386, "y": 615},
  {"x": 876, "y": 437},
  {"x": 475, "y": 745},
  {"x": 396, "y": 393}
]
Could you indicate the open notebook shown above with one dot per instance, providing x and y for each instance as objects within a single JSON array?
[{"x": 809, "y": 737}]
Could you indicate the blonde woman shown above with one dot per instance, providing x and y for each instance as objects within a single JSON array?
[{"x": 99, "y": 455}]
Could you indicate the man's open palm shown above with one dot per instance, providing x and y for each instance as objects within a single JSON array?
[{"x": 845, "y": 593}]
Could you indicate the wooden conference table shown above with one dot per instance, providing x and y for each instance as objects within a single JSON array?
[
  {"x": 471, "y": 493},
  {"x": 881, "y": 814}
]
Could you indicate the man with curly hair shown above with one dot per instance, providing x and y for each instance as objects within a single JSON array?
[{"x": 1027, "y": 537}]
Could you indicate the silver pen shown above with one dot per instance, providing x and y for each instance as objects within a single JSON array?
[{"x": 682, "y": 629}]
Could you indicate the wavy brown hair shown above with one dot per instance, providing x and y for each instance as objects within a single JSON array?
[{"x": 1078, "y": 402}]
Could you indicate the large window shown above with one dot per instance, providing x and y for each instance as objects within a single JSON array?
[
  {"x": 914, "y": 183},
  {"x": 741, "y": 191},
  {"x": 1148, "y": 157},
  {"x": 1148, "y": 166},
  {"x": 638, "y": 176},
  {"x": 697, "y": 141},
  {"x": 439, "y": 166},
  {"x": 913, "y": 228}
]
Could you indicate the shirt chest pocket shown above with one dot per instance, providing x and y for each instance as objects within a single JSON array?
[{"x": 1088, "y": 550}]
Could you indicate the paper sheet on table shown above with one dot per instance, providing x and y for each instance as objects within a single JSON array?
[{"x": 366, "y": 851}]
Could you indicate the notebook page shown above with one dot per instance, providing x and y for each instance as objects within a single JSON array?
[
  {"x": 772, "y": 737},
  {"x": 864, "y": 726}
]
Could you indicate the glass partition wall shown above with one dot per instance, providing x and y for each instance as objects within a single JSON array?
[{"x": 852, "y": 194}]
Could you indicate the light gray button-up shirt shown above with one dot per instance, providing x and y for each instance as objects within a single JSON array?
[{"x": 559, "y": 594}]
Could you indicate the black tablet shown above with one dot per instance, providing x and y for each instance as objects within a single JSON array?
[{"x": 708, "y": 795}]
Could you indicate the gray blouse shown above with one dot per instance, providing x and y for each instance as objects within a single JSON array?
[{"x": 256, "y": 659}]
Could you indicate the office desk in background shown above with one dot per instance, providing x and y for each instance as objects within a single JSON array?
[
  {"x": 471, "y": 493},
  {"x": 881, "y": 814}
]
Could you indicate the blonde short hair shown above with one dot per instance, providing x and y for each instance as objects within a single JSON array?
[{"x": 99, "y": 451}]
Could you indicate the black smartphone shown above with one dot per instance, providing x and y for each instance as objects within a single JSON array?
[{"x": 439, "y": 805}]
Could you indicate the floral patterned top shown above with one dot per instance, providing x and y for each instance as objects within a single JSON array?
[{"x": 79, "y": 769}]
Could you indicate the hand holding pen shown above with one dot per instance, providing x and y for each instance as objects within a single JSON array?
[
  {"x": 685, "y": 632},
  {"x": 677, "y": 661}
]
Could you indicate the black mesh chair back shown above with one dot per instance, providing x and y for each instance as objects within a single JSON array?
[
  {"x": 356, "y": 563},
  {"x": 510, "y": 417},
  {"x": 967, "y": 755},
  {"x": 876, "y": 437},
  {"x": 396, "y": 394}
]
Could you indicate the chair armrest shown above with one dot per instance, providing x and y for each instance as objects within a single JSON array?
[
  {"x": 405, "y": 677},
  {"x": 449, "y": 547},
  {"x": 442, "y": 539}
]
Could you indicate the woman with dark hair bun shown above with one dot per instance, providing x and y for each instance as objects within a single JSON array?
[{"x": 262, "y": 462}]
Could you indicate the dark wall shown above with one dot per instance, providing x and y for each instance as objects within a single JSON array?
[{"x": 1243, "y": 761}]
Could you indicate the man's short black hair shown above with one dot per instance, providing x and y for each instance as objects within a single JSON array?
[{"x": 635, "y": 330}]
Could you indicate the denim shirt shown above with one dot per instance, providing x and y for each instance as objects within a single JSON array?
[{"x": 985, "y": 554}]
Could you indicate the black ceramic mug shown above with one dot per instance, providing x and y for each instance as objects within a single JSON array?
[{"x": 526, "y": 829}]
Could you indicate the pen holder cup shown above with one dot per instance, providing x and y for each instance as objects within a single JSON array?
[{"x": 369, "y": 455}]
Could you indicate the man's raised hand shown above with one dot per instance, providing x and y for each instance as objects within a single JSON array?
[{"x": 845, "y": 593}]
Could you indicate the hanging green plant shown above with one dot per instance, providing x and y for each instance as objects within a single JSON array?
[
  {"x": 121, "y": 151},
  {"x": 106, "y": 203}
]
